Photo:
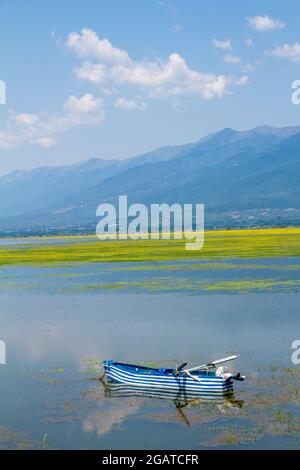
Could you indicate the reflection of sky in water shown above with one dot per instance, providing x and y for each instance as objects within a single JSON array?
[
  {"x": 51, "y": 332},
  {"x": 59, "y": 323},
  {"x": 67, "y": 328}
]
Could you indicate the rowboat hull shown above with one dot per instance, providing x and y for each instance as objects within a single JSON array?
[
  {"x": 167, "y": 379},
  {"x": 117, "y": 390}
]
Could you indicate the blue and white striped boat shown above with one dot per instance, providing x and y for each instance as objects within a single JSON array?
[
  {"x": 201, "y": 379},
  {"x": 117, "y": 390}
]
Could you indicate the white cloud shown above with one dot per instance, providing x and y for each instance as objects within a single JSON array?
[
  {"x": 8, "y": 140},
  {"x": 242, "y": 80},
  {"x": 102, "y": 422},
  {"x": 248, "y": 68},
  {"x": 232, "y": 59},
  {"x": 87, "y": 44},
  {"x": 173, "y": 10},
  {"x": 129, "y": 104},
  {"x": 287, "y": 51},
  {"x": 248, "y": 42},
  {"x": 58, "y": 40},
  {"x": 84, "y": 105},
  {"x": 152, "y": 79},
  {"x": 94, "y": 73},
  {"x": 264, "y": 23},
  {"x": 176, "y": 28},
  {"x": 26, "y": 119},
  {"x": 45, "y": 142},
  {"x": 224, "y": 45},
  {"x": 171, "y": 78},
  {"x": 41, "y": 129}
]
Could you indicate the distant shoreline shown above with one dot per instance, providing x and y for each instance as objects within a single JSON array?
[{"x": 91, "y": 236}]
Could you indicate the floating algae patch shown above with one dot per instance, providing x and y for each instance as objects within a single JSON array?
[
  {"x": 18, "y": 285},
  {"x": 169, "y": 284},
  {"x": 160, "y": 284},
  {"x": 91, "y": 366},
  {"x": 291, "y": 371},
  {"x": 12, "y": 440},
  {"x": 68, "y": 406},
  {"x": 233, "y": 436},
  {"x": 56, "y": 371},
  {"x": 154, "y": 285},
  {"x": 53, "y": 381},
  {"x": 49, "y": 376},
  {"x": 261, "y": 285},
  {"x": 205, "y": 266},
  {"x": 180, "y": 267},
  {"x": 157, "y": 285},
  {"x": 222, "y": 244}
]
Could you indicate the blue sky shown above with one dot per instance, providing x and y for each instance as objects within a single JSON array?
[{"x": 115, "y": 78}]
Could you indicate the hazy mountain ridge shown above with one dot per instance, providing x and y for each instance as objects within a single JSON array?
[{"x": 243, "y": 177}]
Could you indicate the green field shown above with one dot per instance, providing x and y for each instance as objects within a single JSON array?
[{"x": 261, "y": 243}]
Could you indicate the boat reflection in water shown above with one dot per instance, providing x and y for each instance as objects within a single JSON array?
[{"x": 181, "y": 398}]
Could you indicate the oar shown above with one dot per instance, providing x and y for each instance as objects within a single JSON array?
[
  {"x": 211, "y": 364},
  {"x": 179, "y": 369}
]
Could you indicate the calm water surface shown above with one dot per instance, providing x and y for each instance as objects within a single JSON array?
[{"x": 57, "y": 335}]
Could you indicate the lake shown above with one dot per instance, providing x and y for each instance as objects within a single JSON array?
[{"x": 60, "y": 322}]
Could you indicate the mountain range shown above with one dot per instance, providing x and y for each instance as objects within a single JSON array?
[{"x": 244, "y": 178}]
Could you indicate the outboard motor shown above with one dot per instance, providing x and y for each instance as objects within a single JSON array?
[{"x": 238, "y": 376}]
